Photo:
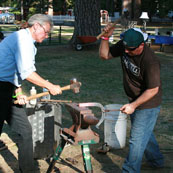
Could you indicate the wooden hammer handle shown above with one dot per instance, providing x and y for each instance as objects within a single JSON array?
[
  {"x": 113, "y": 25},
  {"x": 43, "y": 94},
  {"x": 68, "y": 87},
  {"x": 34, "y": 96}
]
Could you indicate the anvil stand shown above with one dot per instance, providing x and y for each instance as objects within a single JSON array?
[{"x": 79, "y": 133}]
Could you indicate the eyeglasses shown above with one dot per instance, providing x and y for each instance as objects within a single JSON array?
[{"x": 46, "y": 32}]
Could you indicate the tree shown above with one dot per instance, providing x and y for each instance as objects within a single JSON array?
[
  {"x": 151, "y": 10},
  {"x": 157, "y": 7},
  {"x": 61, "y": 6},
  {"x": 136, "y": 9},
  {"x": 22, "y": 10},
  {"x": 163, "y": 7},
  {"x": 87, "y": 19},
  {"x": 133, "y": 7},
  {"x": 111, "y": 6},
  {"x": 50, "y": 8}
]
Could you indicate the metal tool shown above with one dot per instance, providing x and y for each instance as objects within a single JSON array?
[
  {"x": 74, "y": 86},
  {"x": 55, "y": 101}
]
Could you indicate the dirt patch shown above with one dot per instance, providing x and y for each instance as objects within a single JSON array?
[{"x": 101, "y": 163}]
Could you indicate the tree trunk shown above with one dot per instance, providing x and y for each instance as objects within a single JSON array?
[
  {"x": 110, "y": 6},
  {"x": 50, "y": 8},
  {"x": 21, "y": 9},
  {"x": 87, "y": 19},
  {"x": 136, "y": 9}
]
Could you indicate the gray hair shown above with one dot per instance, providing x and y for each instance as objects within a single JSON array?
[{"x": 41, "y": 19}]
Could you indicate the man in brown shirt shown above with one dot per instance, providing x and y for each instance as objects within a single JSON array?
[{"x": 142, "y": 84}]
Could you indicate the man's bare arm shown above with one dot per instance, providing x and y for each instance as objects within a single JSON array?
[
  {"x": 38, "y": 80},
  {"x": 147, "y": 95},
  {"x": 104, "y": 50}
]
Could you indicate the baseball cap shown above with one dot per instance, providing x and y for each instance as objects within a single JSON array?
[
  {"x": 145, "y": 35},
  {"x": 133, "y": 38}
]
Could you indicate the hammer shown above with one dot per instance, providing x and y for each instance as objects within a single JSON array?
[{"x": 74, "y": 86}]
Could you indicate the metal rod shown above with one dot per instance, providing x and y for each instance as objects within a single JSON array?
[
  {"x": 57, "y": 154},
  {"x": 58, "y": 101},
  {"x": 112, "y": 110}
]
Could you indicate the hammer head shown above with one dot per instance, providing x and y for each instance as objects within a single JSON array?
[{"x": 75, "y": 85}]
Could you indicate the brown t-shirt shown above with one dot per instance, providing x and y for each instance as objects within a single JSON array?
[{"x": 139, "y": 73}]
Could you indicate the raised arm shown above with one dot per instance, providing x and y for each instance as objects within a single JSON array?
[{"x": 104, "y": 45}]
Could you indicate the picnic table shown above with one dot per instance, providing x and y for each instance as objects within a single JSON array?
[{"x": 161, "y": 40}]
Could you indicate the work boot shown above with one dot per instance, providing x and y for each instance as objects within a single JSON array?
[{"x": 104, "y": 148}]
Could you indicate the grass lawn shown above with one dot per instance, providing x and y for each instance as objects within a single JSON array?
[{"x": 101, "y": 80}]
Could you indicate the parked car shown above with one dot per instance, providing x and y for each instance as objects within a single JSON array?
[{"x": 7, "y": 18}]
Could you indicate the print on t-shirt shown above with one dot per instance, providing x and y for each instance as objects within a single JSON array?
[{"x": 130, "y": 66}]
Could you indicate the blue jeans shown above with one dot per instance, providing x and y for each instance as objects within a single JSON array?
[{"x": 142, "y": 141}]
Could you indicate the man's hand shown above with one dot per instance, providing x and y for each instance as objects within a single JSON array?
[
  {"x": 55, "y": 89},
  {"x": 22, "y": 99},
  {"x": 108, "y": 29},
  {"x": 127, "y": 109}
]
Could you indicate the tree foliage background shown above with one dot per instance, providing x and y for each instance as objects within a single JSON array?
[{"x": 157, "y": 7}]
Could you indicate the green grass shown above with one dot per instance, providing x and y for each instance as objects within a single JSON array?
[
  {"x": 8, "y": 27},
  {"x": 166, "y": 76},
  {"x": 68, "y": 30},
  {"x": 61, "y": 63},
  {"x": 101, "y": 80}
]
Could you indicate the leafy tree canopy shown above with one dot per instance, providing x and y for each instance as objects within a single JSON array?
[{"x": 159, "y": 7}]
